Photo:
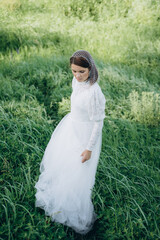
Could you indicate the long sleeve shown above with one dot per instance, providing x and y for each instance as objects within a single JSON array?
[
  {"x": 97, "y": 114},
  {"x": 96, "y": 131}
]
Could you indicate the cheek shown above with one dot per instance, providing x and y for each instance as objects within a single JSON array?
[{"x": 87, "y": 74}]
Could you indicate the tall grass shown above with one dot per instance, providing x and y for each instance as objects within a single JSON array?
[{"x": 36, "y": 40}]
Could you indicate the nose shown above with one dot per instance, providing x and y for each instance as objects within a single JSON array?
[{"x": 78, "y": 75}]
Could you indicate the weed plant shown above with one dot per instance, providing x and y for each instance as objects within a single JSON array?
[{"x": 36, "y": 40}]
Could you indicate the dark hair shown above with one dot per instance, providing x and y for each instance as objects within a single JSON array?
[
  {"x": 83, "y": 58},
  {"x": 80, "y": 61}
]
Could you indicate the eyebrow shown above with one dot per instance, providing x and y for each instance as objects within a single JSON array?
[{"x": 77, "y": 71}]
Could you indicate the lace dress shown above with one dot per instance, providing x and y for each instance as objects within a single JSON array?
[{"x": 65, "y": 184}]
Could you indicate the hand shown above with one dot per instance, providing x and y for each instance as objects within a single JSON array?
[{"x": 86, "y": 155}]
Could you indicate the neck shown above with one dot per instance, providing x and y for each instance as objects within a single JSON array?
[{"x": 83, "y": 82}]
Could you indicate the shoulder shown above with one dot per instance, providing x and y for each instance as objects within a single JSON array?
[
  {"x": 95, "y": 87},
  {"x": 73, "y": 82},
  {"x": 96, "y": 91}
]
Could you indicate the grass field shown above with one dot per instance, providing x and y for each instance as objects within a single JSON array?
[{"x": 36, "y": 40}]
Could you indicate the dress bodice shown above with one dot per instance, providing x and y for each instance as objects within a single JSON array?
[
  {"x": 88, "y": 105},
  {"x": 87, "y": 101}
]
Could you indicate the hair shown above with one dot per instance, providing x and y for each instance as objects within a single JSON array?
[
  {"x": 80, "y": 61},
  {"x": 83, "y": 59}
]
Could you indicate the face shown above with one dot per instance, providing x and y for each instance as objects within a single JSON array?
[{"x": 80, "y": 73}]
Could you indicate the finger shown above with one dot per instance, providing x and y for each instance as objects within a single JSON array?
[{"x": 84, "y": 160}]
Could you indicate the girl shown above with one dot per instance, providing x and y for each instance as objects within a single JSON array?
[{"x": 70, "y": 160}]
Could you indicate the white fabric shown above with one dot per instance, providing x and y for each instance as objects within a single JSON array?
[
  {"x": 96, "y": 108},
  {"x": 65, "y": 183},
  {"x": 96, "y": 131}
]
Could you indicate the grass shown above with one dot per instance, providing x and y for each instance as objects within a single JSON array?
[{"x": 36, "y": 40}]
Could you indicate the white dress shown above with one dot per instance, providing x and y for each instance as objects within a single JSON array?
[{"x": 65, "y": 184}]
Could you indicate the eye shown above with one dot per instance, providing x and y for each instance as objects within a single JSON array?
[
  {"x": 74, "y": 71},
  {"x": 81, "y": 71}
]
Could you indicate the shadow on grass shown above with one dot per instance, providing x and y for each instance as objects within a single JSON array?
[{"x": 17, "y": 39}]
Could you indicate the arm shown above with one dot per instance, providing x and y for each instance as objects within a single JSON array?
[
  {"x": 96, "y": 114},
  {"x": 96, "y": 131}
]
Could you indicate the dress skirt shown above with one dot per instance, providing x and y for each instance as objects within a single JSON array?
[{"x": 65, "y": 184}]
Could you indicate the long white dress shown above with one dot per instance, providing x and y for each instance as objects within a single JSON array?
[{"x": 65, "y": 184}]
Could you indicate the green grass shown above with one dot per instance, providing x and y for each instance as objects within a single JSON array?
[{"x": 36, "y": 40}]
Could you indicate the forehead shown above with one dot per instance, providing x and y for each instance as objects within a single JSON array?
[{"x": 77, "y": 68}]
